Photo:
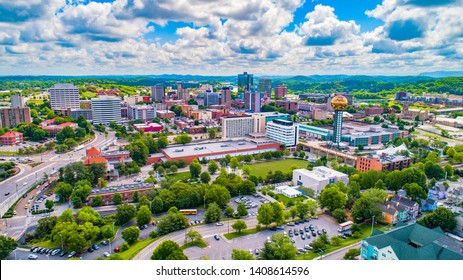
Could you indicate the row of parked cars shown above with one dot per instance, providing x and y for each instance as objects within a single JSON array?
[{"x": 51, "y": 252}]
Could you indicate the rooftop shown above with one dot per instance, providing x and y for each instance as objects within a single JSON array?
[
  {"x": 320, "y": 172},
  {"x": 122, "y": 188},
  {"x": 219, "y": 147}
]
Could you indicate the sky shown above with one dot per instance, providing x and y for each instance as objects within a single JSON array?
[{"x": 223, "y": 37}]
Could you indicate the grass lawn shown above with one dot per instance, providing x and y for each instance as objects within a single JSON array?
[
  {"x": 285, "y": 199},
  {"x": 284, "y": 165},
  {"x": 232, "y": 235},
  {"x": 366, "y": 231},
  {"x": 47, "y": 244},
  {"x": 200, "y": 244},
  {"x": 135, "y": 248},
  {"x": 179, "y": 176}
]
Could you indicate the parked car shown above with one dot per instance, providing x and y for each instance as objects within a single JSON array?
[
  {"x": 116, "y": 249},
  {"x": 104, "y": 243},
  {"x": 55, "y": 252},
  {"x": 291, "y": 224},
  {"x": 303, "y": 236},
  {"x": 219, "y": 224},
  {"x": 72, "y": 254},
  {"x": 95, "y": 247},
  {"x": 90, "y": 250},
  {"x": 63, "y": 254},
  {"x": 106, "y": 254},
  {"x": 216, "y": 237},
  {"x": 32, "y": 257},
  {"x": 33, "y": 248},
  {"x": 324, "y": 231},
  {"x": 256, "y": 251}
]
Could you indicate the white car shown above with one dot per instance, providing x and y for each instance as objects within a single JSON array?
[
  {"x": 106, "y": 254},
  {"x": 32, "y": 257},
  {"x": 219, "y": 224}
]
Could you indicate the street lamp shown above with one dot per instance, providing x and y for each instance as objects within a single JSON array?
[
  {"x": 320, "y": 252},
  {"x": 372, "y": 222},
  {"x": 109, "y": 246},
  {"x": 61, "y": 236}
]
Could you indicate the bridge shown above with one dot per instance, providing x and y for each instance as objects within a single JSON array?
[{"x": 315, "y": 148}]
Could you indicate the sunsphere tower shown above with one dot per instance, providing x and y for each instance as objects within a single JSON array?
[{"x": 339, "y": 104}]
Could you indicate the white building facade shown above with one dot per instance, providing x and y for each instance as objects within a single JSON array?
[
  {"x": 282, "y": 131},
  {"x": 141, "y": 112},
  {"x": 64, "y": 96},
  {"x": 318, "y": 178},
  {"x": 106, "y": 109}
]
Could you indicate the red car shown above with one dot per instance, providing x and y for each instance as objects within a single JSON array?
[{"x": 116, "y": 249}]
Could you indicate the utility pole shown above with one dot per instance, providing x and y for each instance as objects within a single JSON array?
[{"x": 372, "y": 222}]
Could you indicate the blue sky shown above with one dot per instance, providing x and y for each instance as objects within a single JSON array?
[{"x": 222, "y": 37}]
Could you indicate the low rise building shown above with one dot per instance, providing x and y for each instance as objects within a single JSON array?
[
  {"x": 290, "y": 106},
  {"x": 410, "y": 242},
  {"x": 288, "y": 191},
  {"x": 148, "y": 127},
  {"x": 11, "y": 138},
  {"x": 126, "y": 191},
  {"x": 318, "y": 178},
  {"x": 141, "y": 112},
  {"x": 371, "y": 111},
  {"x": 382, "y": 162},
  {"x": 411, "y": 208},
  {"x": 53, "y": 129},
  {"x": 165, "y": 114}
]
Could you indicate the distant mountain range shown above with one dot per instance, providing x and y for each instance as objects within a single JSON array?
[{"x": 442, "y": 74}]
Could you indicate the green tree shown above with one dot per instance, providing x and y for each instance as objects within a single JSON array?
[
  {"x": 97, "y": 201},
  {"x": 173, "y": 221},
  {"x": 49, "y": 204},
  {"x": 213, "y": 213},
  {"x": 441, "y": 217},
  {"x": 339, "y": 215},
  {"x": 64, "y": 191},
  {"x": 163, "y": 142},
  {"x": 448, "y": 168},
  {"x": 241, "y": 255},
  {"x": 130, "y": 234},
  {"x": 65, "y": 133},
  {"x": 239, "y": 225},
  {"x": 415, "y": 192},
  {"x": 212, "y": 167},
  {"x": 380, "y": 184},
  {"x": 218, "y": 194},
  {"x": 168, "y": 250},
  {"x": 212, "y": 133},
  {"x": 117, "y": 198},
  {"x": 364, "y": 208},
  {"x": 173, "y": 168},
  {"x": 193, "y": 235},
  {"x": 157, "y": 205},
  {"x": 138, "y": 151},
  {"x": 161, "y": 171},
  {"x": 278, "y": 213},
  {"x": 279, "y": 248},
  {"x": 205, "y": 177},
  {"x": 302, "y": 210},
  {"x": 247, "y": 187},
  {"x": 242, "y": 211},
  {"x": 7, "y": 245},
  {"x": 332, "y": 198},
  {"x": 293, "y": 212},
  {"x": 229, "y": 211},
  {"x": 195, "y": 168},
  {"x": 265, "y": 214},
  {"x": 107, "y": 231},
  {"x": 76, "y": 242},
  {"x": 183, "y": 139},
  {"x": 351, "y": 254},
  {"x": 234, "y": 163},
  {"x": 125, "y": 213},
  {"x": 135, "y": 196},
  {"x": 246, "y": 170},
  {"x": 143, "y": 215}
]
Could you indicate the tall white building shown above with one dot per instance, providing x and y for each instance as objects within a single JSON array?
[
  {"x": 64, "y": 96},
  {"x": 318, "y": 178},
  {"x": 282, "y": 131},
  {"x": 106, "y": 109},
  {"x": 237, "y": 126},
  {"x": 17, "y": 101},
  {"x": 141, "y": 112}
]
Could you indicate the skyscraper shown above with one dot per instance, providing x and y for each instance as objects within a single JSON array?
[
  {"x": 247, "y": 100},
  {"x": 183, "y": 93},
  {"x": 280, "y": 91},
  {"x": 339, "y": 104},
  {"x": 64, "y": 96},
  {"x": 265, "y": 85},
  {"x": 255, "y": 102},
  {"x": 106, "y": 109},
  {"x": 158, "y": 92},
  {"x": 211, "y": 98},
  {"x": 245, "y": 82},
  {"x": 17, "y": 101},
  {"x": 226, "y": 96}
]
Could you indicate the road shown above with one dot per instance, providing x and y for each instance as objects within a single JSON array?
[{"x": 51, "y": 163}]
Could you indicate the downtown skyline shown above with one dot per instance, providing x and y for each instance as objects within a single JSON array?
[{"x": 292, "y": 37}]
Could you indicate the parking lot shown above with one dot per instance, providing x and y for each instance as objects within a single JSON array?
[
  {"x": 221, "y": 249},
  {"x": 252, "y": 203}
]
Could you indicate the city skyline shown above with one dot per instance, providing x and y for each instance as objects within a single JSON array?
[{"x": 292, "y": 37}]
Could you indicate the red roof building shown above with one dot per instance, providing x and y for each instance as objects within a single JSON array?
[{"x": 12, "y": 138}]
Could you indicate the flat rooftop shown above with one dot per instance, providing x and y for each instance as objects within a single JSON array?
[
  {"x": 209, "y": 148},
  {"x": 121, "y": 188}
]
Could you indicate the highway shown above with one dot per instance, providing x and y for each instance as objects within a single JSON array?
[{"x": 51, "y": 162}]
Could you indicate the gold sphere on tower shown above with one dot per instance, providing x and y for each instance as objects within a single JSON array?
[{"x": 339, "y": 103}]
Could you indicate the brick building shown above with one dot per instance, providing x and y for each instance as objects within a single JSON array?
[{"x": 12, "y": 138}]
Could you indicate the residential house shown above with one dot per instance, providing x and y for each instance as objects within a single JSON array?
[
  {"x": 390, "y": 213},
  {"x": 429, "y": 204},
  {"x": 438, "y": 190},
  {"x": 411, "y": 207},
  {"x": 455, "y": 195}
]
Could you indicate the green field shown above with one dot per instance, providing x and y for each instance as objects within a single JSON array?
[
  {"x": 284, "y": 165},
  {"x": 179, "y": 176}
]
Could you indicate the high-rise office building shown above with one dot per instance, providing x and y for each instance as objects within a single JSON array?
[
  {"x": 226, "y": 96},
  {"x": 265, "y": 85},
  {"x": 12, "y": 117},
  {"x": 106, "y": 109},
  {"x": 247, "y": 100},
  {"x": 64, "y": 96},
  {"x": 237, "y": 126},
  {"x": 211, "y": 98},
  {"x": 245, "y": 81},
  {"x": 282, "y": 131},
  {"x": 158, "y": 92},
  {"x": 141, "y": 112},
  {"x": 255, "y": 102},
  {"x": 339, "y": 104},
  {"x": 183, "y": 93},
  {"x": 280, "y": 91},
  {"x": 17, "y": 101}
]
